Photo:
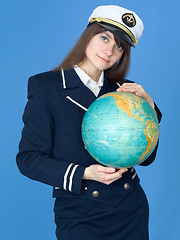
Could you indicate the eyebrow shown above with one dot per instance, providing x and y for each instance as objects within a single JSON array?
[{"x": 108, "y": 35}]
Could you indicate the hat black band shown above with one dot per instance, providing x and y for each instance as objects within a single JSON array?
[{"x": 117, "y": 27}]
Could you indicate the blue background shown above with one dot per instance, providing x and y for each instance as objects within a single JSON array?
[{"x": 34, "y": 37}]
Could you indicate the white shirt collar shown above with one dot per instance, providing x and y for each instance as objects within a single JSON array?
[{"x": 85, "y": 77}]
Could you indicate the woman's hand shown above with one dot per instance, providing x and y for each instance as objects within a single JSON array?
[
  {"x": 102, "y": 174},
  {"x": 138, "y": 90}
]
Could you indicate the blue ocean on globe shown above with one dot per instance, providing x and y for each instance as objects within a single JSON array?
[{"x": 120, "y": 129}]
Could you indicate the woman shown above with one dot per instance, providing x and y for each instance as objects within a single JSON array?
[{"x": 92, "y": 201}]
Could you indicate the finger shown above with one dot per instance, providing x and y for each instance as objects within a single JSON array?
[
  {"x": 112, "y": 177},
  {"x": 129, "y": 84},
  {"x": 132, "y": 86},
  {"x": 122, "y": 170},
  {"x": 131, "y": 90},
  {"x": 127, "y": 88},
  {"x": 116, "y": 175},
  {"x": 109, "y": 178},
  {"x": 105, "y": 169},
  {"x": 126, "y": 85},
  {"x": 137, "y": 91}
]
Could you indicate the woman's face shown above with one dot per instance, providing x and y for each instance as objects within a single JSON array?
[{"x": 102, "y": 52}]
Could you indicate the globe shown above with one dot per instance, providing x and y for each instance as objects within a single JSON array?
[{"x": 120, "y": 129}]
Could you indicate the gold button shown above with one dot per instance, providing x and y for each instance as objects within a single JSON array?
[
  {"x": 95, "y": 193},
  {"x": 126, "y": 186}
]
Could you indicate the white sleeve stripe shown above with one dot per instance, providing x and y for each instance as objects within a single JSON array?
[
  {"x": 63, "y": 78},
  {"x": 71, "y": 177},
  {"x": 134, "y": 175},
  {"x": 65, "y": 176}
]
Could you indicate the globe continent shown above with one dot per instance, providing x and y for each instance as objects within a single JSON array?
[{"x": 120, "y": 129}]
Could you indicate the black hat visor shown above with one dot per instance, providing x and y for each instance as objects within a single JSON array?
[{"x": 118, "y": 33}]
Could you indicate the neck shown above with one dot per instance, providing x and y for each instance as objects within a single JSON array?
[{"x": 94, "y": 74}]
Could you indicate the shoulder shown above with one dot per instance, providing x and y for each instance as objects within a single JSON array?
[
  {"x": 46, "y": 80},
  {"x": 43, "y": 83},
  {"x": 52, "y": 78},
  {"x": 46, "y": 76}
]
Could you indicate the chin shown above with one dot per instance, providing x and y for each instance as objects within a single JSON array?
[{"x": 102, "y": 68}]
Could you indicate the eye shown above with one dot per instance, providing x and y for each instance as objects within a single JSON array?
[
  {"x": 119, "y": 48},
  {"x": 104, "y": 38}
]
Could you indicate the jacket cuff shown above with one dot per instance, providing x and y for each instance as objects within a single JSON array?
[{"x": 73, "y": 178}]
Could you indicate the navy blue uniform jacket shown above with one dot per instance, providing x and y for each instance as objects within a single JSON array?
[{"x": 51, "y": 148}]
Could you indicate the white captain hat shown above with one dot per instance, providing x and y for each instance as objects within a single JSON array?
[{"x": 120, "y": 21}]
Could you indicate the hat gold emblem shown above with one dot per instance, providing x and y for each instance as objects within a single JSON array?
[{"x": 129, "y": 19}]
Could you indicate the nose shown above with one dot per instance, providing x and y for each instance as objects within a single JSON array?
[{"x": 108, "y": 50}]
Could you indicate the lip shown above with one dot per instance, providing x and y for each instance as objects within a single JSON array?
[{"x": 103, "y": 59}]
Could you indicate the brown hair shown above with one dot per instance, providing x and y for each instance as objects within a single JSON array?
[{"x": 77, "y": 54}]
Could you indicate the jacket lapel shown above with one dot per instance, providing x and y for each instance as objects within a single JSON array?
[
  {"x": 107, "y": 87},
  {"x": 77, "y": 93}
]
